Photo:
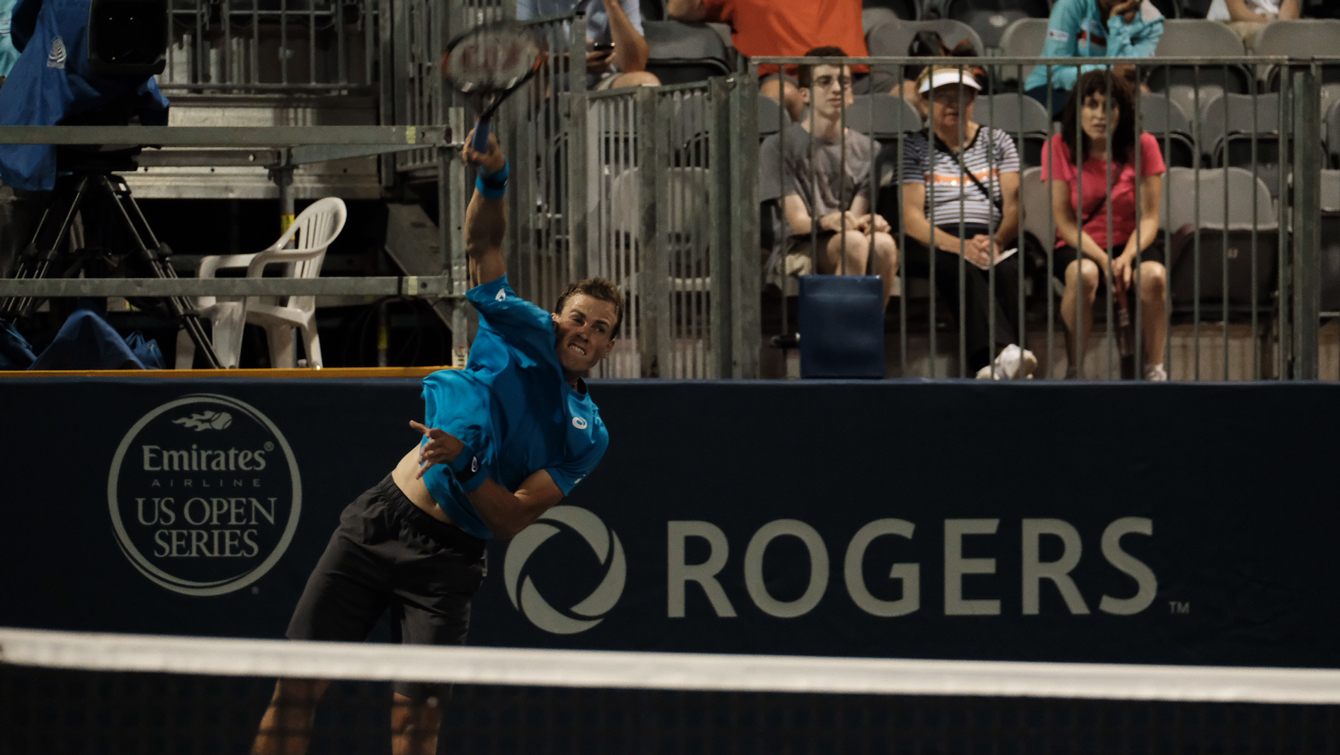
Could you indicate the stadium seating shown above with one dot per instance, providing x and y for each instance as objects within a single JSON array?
[
  {"x": 883, "y": 116},
  {"x": 1229, "y": 123},
  {"x": 873, "y": 17},
  {"x": 990, "y": 18},
  {"x": 1164, "y": 118},
  {"x": 1225, "y": 237},
  {"x": 1036, "y": 198},
  {"x": 683, "y": 53},
  {"x": 1303, "y": 39},
  {"x": 894, "y": 39},
  {"x": 1024, "y": 38},
  {"x": 1022, "y": 116},
  {"x": 771, "y": 117},
  {"x": 1198, "y": 38}
]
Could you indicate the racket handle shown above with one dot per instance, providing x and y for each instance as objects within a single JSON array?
[{"x": 480, "y": 143}]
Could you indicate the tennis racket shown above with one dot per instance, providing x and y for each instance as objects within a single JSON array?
[
  {"x": 488, "y": 63},
  {"x": 1125, "y": 337}
]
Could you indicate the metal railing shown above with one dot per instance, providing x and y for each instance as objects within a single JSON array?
[
  {"x": 635, "y": 185},
  {"x": 284, "y": 47},
  {"x": 1239, "y": 222}
]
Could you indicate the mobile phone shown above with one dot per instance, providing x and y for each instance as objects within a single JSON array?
[{"x": 603, "y": 46}]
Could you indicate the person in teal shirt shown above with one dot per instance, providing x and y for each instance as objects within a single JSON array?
[
  {"x": 504, "y": 440},
  {"x": 1093, "y": 29}
]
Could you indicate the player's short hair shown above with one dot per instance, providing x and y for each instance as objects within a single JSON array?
[
  {"x": 806, "y": 73},
  {"x": 596, "y": 288}
]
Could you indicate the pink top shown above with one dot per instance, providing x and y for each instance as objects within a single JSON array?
[{"x": 1122, "y": 205}]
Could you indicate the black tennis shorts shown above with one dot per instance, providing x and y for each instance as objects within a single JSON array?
[{"x": 389, "y": 553}]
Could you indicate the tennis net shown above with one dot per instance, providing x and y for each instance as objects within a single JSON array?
[{"x": 64, "y": 692}]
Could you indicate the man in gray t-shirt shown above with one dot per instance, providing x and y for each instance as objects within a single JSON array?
[{"x": 819, "y": 174}]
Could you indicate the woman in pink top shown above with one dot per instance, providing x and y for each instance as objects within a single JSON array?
[{"x": 1120, "y": 235}]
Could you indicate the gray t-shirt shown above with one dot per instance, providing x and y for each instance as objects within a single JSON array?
[{"x": 785, "y": 169}]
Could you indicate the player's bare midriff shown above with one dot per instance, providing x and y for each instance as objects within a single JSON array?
[{"x": 406, "y": 478}]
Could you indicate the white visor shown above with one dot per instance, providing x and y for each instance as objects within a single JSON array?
[{"x": 943, "y": 78}]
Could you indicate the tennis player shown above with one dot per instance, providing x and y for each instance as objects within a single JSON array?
[{"x": 504, "y": 440}]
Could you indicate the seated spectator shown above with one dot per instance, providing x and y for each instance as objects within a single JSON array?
[
  {"x": 1093, "y": 29},
  {"x": 826, "y": 216},
  {"x": 1086, "y": 258},
  {"x": 621, "y": 58},
  {"x": 783, "y": 27},
  {"x": 1249, "y": 17},
  {"x": 969, "y": 214}
]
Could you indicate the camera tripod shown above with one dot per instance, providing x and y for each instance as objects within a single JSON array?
[{"x": 43, "y": 256}]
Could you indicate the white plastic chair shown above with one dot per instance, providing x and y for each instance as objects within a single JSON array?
[{"x": 312, "y": 231}]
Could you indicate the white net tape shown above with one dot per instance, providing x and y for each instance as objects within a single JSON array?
[{"x": 688, "y": 671}]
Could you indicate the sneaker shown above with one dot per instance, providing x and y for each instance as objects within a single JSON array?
[
  {"x": 1011, "y": 364},
  {"x": 1156, "y": 373}
]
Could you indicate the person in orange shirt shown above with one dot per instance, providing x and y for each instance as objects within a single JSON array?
[{"x": 784, "y": 27}]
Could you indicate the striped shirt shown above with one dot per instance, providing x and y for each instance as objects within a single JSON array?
[{"x": 990, "y": 153}]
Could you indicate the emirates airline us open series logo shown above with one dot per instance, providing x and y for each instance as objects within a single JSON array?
[
  {"x": 204, "y": 495},
  {"x": 607, "y": 549}
]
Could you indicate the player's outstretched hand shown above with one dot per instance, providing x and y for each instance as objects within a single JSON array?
[
  {"x": 442, "y": 447},
  {"x": 491, "y": 161}
]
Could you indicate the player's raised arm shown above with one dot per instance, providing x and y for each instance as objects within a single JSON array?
[{"x": 486, "y": 217}]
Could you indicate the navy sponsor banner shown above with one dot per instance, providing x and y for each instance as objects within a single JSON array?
[{"x": 1187, "y": 524}]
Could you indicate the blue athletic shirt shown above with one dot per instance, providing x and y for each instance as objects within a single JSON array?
[
  {"x": 1076, "y": 30},
  {"x": 511, "y": 408}
]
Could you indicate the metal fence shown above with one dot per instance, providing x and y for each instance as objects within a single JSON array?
[
  {"x": 1241, "y": 216},
  {"x": 637, "y": 185},
  {"x": 286, "y": 46}
]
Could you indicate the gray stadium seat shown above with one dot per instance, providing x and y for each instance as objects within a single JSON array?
[
  {"x": 683, "y": 53},
  {"x": 1198, "y": 38},
  {"x": 1242, "y": 187},
  {"x": 771, "y": 117},
  {"x": 1227, "y": 123},
  {"x": 1330, "y": 191},
  {"x": 1018, "y": 114},
  {"x": 990, "y": 18},
  {"x": 872, "y": 17},
  {"x": 1224, "y": 238},
  {"x": 893, "y": 40},
  {"x": 1024, "y": 38},
  {"x": 1302, "y": 39},
  {"x": 883, "y": 116},
  {"x": 897, "y": 38},
  {"x": 1164, "y": 119},
  {"x": 1036, "y": 197}
]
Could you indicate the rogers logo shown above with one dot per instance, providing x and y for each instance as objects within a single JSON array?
[
  {"x": 204, "y": 495},
  {"x": 608, "y": 550}
]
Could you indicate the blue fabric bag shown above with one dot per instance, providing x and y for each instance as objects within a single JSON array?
[
  {"x": 15, "y": 353},
  {"x": 146, "y": 350},
  {"x": 88, "y": 342}
]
